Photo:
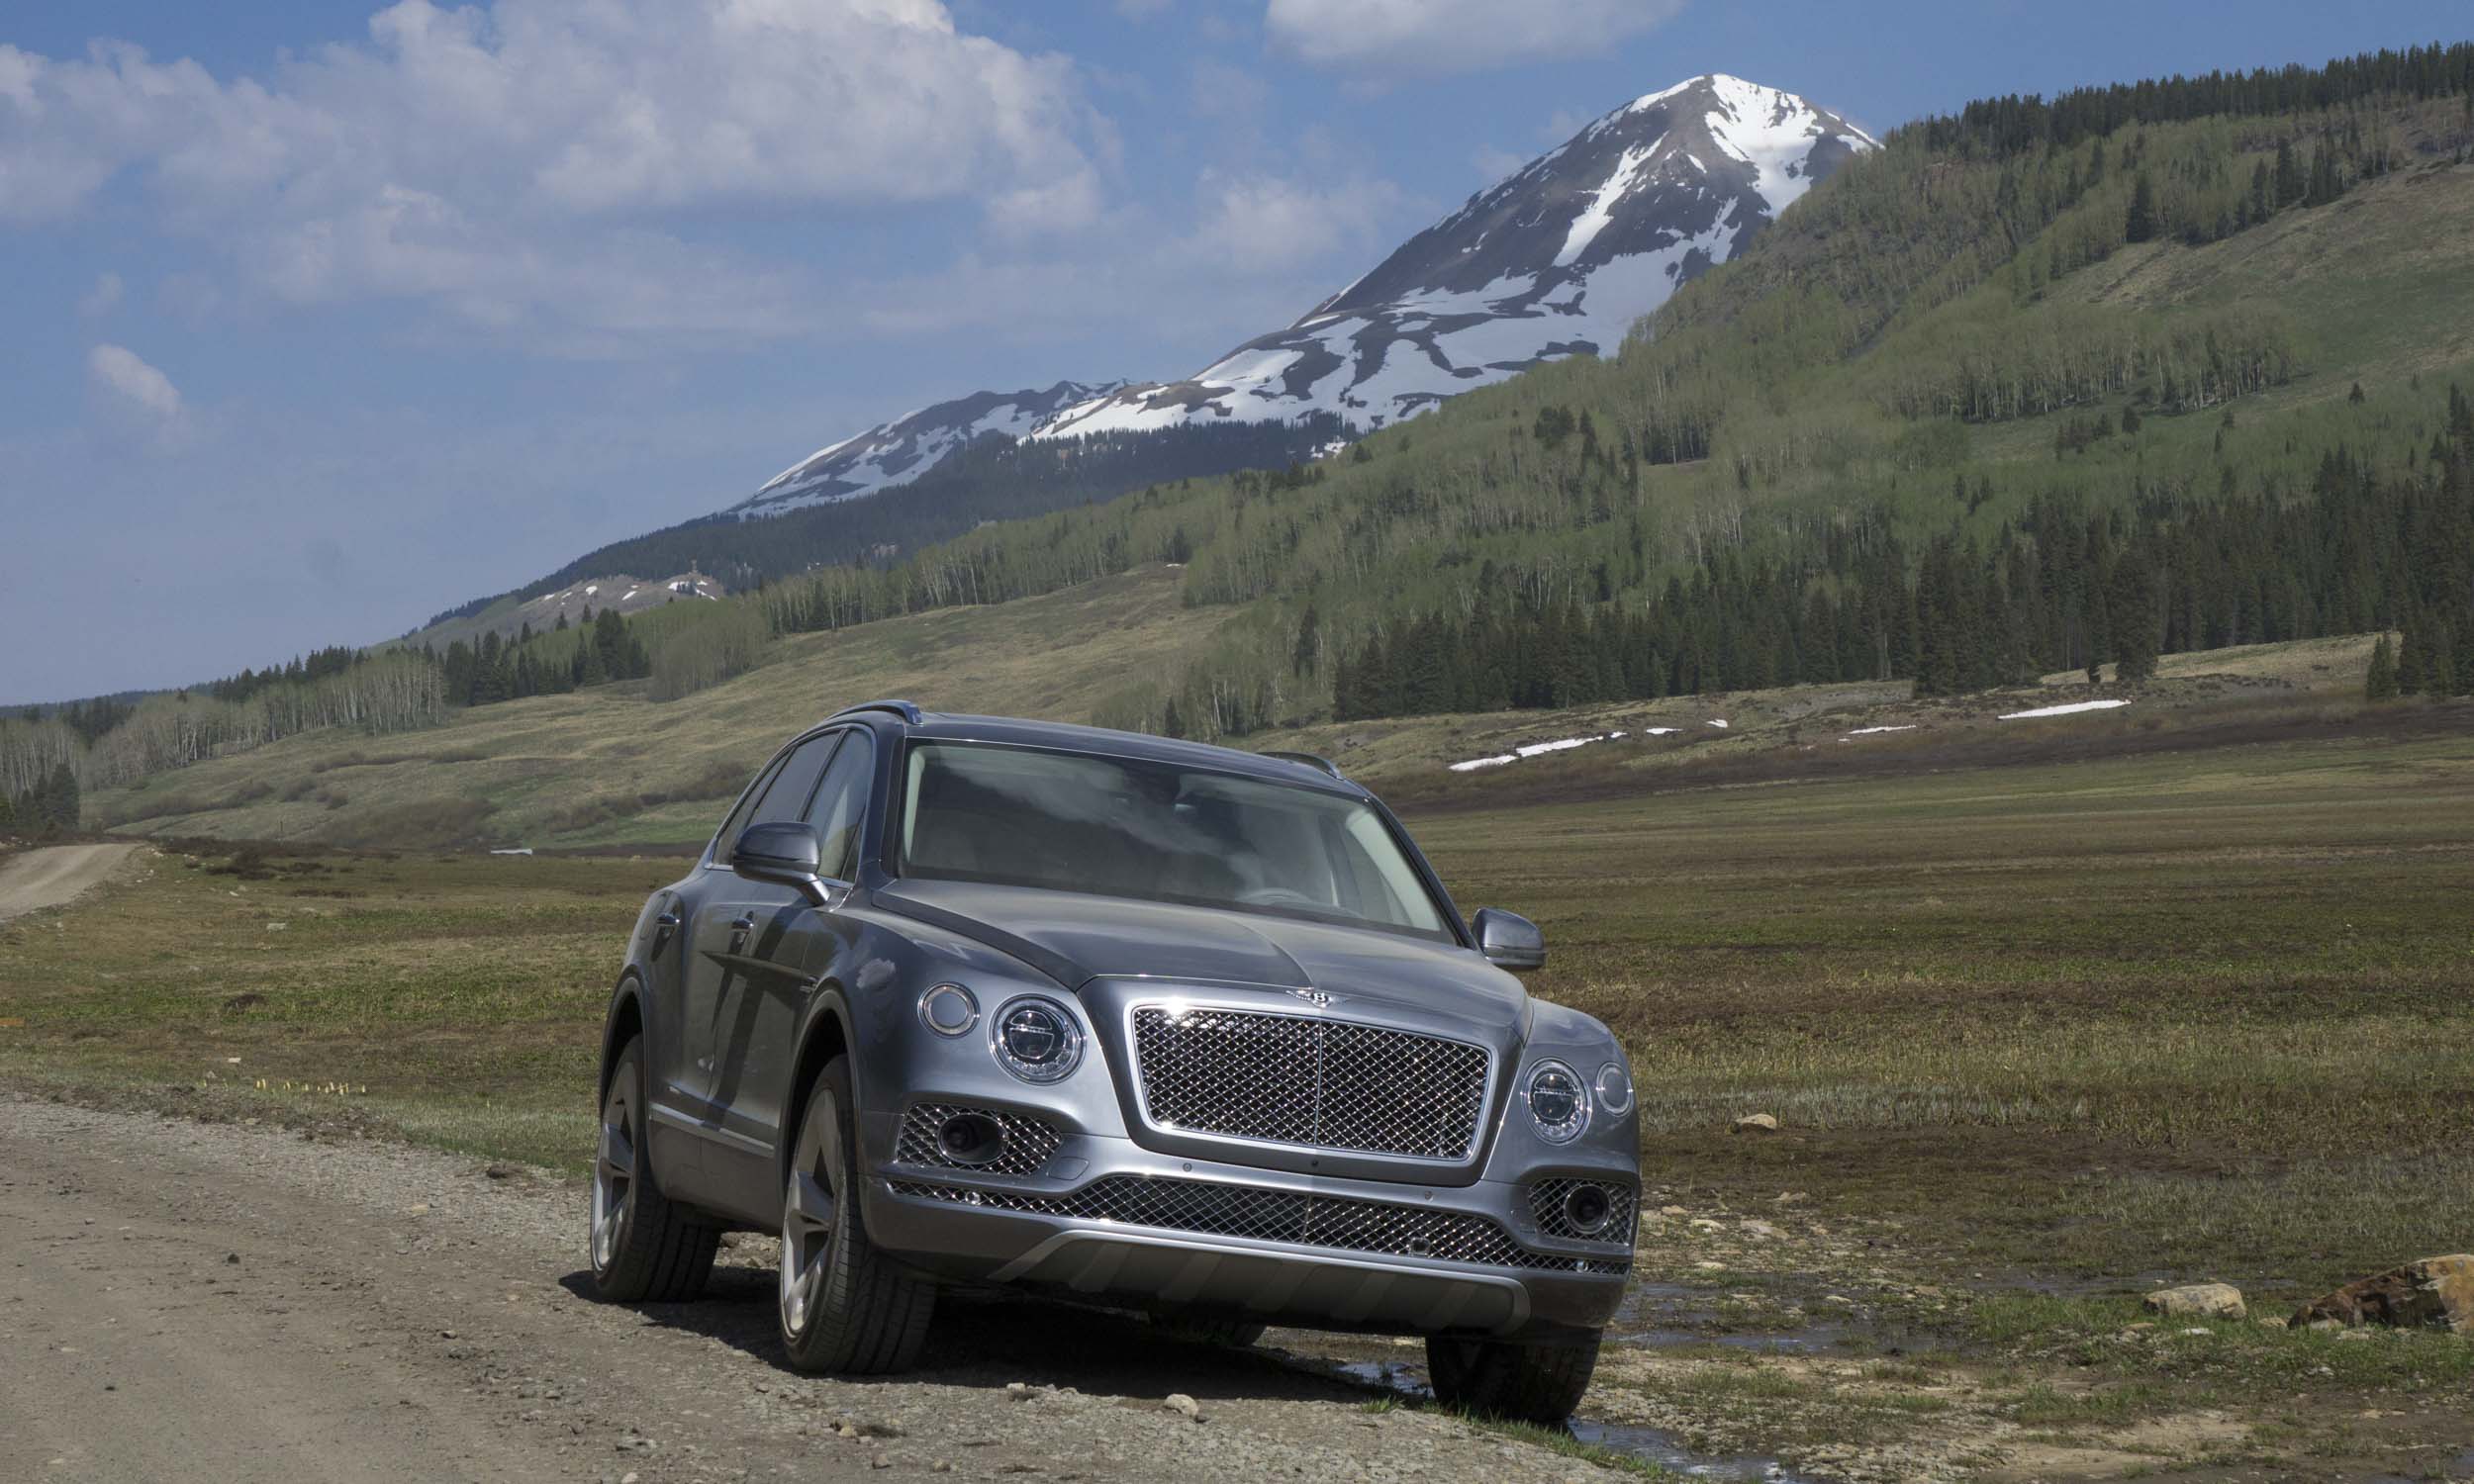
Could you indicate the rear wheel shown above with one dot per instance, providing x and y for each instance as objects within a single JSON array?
[
  {"x": 643, "y": 1248},
  {"x": 844, "y": 1308},
  {"x": 1531, "y": 1383}
]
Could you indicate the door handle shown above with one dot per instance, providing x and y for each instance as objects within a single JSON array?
[
  {"x": 740, "y": 927},
  {"x": 665, "y": 927}
]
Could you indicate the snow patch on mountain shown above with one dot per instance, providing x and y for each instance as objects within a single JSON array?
[
  {"x": 1560, "y": 258},
  {"x": 897, "y": 452}
]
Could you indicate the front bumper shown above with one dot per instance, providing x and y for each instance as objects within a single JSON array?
[{"x": 1105, "y": 1220}]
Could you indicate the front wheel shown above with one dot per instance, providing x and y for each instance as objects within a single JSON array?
[
  {"x": 1531, "y": 1383},
  {"x": 844, "y": 1308},
  {"x": 643, "y": 1248}
]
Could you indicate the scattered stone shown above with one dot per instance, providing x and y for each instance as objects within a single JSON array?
[
  {"x": 2198, "y": 1301},
  {"x": 1760, "y": 1228},
  {"x": 232, "y": 1258},
  {"x": 501, "y": 1171},
  {"x": 1673, "y": 1211},
  {"x": 2433, "y": 1294},
  {"x": 1758, "y": 1123},
  {"x": 1017, "y": 1391},
  {"x": 1184, "y": 1406}
]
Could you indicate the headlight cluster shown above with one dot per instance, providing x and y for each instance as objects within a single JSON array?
[
  {"x": 1558, "y": 1102},
  {"x": 1037, "y": 1040}
]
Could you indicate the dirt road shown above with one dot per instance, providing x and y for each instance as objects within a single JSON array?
[
  {"x": 54, "y": 875},
  {"x": 183, "y": 1300}
]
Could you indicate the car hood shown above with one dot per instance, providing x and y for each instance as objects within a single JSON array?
[{"x": 1075, "y": 939}]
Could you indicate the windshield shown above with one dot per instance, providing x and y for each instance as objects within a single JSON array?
[{"x": 1157, "y": 832}]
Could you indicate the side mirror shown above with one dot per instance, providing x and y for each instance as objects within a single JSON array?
[
  {"x": 785, "y": 853},
  {"x": 1508, "y": 939}
]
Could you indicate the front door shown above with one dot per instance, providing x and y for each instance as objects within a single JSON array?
[{"x": 742, "y": 933}]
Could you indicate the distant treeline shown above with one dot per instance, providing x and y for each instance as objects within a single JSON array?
[
  {"x": 383, "y": 692},
  {"x": 2063, "y": 588},
  {"x": 2014, "y": 123}
]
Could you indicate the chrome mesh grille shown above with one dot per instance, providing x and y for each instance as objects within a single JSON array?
[
  {"x": 1545, "y": 1203},
  {"x": 1302, "y": 1079},
  {"x": 1027, "y": 1145},
  {"x": 1267, "y": 1215}
]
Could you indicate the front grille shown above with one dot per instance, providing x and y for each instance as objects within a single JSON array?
[
  {"x": 1545, "y": 1203},
  {"x": 1302, "y": 1079},
  {"x": 1028, "y": 1141},
  {"x": 1267, "y": 1215}
]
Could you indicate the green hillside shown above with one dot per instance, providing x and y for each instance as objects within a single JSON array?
[{"x": 2036, "y": 388}]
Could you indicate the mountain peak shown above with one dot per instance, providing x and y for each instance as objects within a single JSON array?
[{"x": 1558, "y": 258}]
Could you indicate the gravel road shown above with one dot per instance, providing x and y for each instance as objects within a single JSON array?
[
  {"x": 183, "y": 1300},
  {"x": 54, "y": 875}
]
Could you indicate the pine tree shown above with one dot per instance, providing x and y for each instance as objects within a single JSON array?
[
  {"x": 2381, "y": 683},
  {"x": 2411, "y": 661},
  {"x": 2133, "y": 625},
  {"x": 61, "y": 810},
  {"x": 2140, "y": 226}
]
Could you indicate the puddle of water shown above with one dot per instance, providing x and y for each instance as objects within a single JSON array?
[
  {"x": 1654, "y": 1446},
  {"x": 1409, "y": 1379}
]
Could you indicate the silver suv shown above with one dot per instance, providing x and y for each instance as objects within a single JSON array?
[{"x": 963, "y": 1001}]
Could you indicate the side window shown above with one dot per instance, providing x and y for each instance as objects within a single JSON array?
[
  {"x": 787, "y": 797},
  {"x": 727, "y": 840},
  {"x": 841, "y": 805}
]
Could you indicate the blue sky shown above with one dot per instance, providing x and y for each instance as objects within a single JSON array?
[{"x": 322, "y": 317}]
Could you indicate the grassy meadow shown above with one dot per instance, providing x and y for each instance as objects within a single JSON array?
[{"x": 2050, "y": 1015}]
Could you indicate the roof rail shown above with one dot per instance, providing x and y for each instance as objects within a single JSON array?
[
  {"x": 1318, "y": 764},
  {"x": 907, "y": 710}
]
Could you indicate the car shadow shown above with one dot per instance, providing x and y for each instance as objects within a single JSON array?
[{"x": 993, "y": 1341}]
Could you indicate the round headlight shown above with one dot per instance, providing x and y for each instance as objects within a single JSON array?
[
  {"x": 1558, "y": 1102},
  {"x": 1614, "y": 1087},
  {"x": 1037, "y": 1040},
  {"x": 949, "y": 1010}
]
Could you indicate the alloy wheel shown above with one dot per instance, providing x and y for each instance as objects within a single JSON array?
[
  {"x": 811, "y": 1203},
  {"x": 614, "y": 1174}
]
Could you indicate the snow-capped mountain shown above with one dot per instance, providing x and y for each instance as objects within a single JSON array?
[
  {"x": 1556, "y": 259},
  {"x": 899, "y": 451},
  {"x": 1559, "y": 258}
]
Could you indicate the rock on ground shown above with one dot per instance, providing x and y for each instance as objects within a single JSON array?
[
  {"x": 2433, "y": 1294},
  {"x": 2198, "y": 1300}
]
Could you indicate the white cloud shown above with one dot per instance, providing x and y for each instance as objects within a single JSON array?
[
  {"x": 1493, "y": 164},
  {"x": 1258, "y": 223},
  {"x": 102, "y": 296},
  {"x": 510, "y": 161},
  {"x": 1437, "y": 37},
  {"x": 126, "y": 375}
]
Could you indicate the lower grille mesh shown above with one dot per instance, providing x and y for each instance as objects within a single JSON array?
[
  {"x": 1546, "y": 1204},
  {"x": 1266, "y": 1215},
  {"x": 1028, "y": 1141}
]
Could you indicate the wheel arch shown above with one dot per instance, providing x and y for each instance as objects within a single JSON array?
[
  {"x": 827, "y": 1036},
  {"x": 625, "y": 1021}
]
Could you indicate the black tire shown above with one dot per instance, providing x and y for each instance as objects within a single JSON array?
[
  {"x": 844, "y": 1308},
  {"x": 1531, "y": 1383},
  {"x": 643, "y": 1247},
  {"x": 1228, "y": 1333}
]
